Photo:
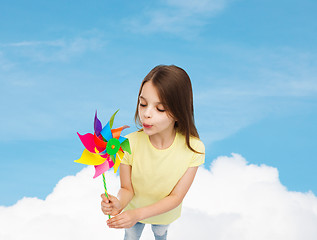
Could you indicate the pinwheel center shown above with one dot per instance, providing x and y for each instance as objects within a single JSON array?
[{"x": 113, "y": 146}]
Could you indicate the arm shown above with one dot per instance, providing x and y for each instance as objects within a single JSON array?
[
  {"x": 113, "y": 205},
  {"x": 126, "y": 191},
  {"x": 129, "y": 218}
]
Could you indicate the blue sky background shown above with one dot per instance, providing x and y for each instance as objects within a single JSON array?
[{"x": 253, "y": 67}]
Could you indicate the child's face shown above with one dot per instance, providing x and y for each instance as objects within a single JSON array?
[{"x": 154, "y": 118}]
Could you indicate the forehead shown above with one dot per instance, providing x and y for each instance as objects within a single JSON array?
[{"x": 150, "y": 93}]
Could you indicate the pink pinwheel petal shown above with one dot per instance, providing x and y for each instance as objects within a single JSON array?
[
  {"x": 100, "y": 169},
  {"x": 88, "y": 141},
  {"x": 105, "y": 155},
  {"x": 111, "y": 163}
]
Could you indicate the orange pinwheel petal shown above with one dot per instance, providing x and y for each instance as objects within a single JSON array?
[{"x": 117, "y": 131}]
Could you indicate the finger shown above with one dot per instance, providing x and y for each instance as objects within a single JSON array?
[
  {"x": 106, "y": 208},
  {"x": 111, "y": 197},
  {"x": 103, "y": 196},
  {"x": 115, "y": 219},
  {"x": 106, "y": 204},
  {"x": 107, "y": 211},
  {"x": 119, "y": 223},
  {"x": 105, "y": 199}
]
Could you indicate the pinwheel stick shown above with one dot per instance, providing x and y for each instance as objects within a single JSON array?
[{"x": 104, "y": 184}]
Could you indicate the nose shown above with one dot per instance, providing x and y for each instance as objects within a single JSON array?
[{"x": 147, "y": 112}]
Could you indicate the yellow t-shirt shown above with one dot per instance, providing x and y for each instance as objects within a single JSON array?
[{"x": 155, "y": 172}]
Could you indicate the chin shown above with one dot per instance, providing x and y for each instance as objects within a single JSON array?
[{"x": 148, "y": 132}]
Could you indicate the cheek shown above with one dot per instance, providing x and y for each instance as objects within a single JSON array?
[
  {"x": 166, "y": 120},
  {"x": 140, "y": 114}
]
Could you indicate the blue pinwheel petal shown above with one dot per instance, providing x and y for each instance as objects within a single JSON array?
[
  {"x": 122, "y": 139},
  {"x": 106, "y": 132},
  {"x": 97, "y": 125}
]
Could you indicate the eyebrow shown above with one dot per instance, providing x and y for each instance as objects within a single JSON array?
[{"x": 146, "y": 100}]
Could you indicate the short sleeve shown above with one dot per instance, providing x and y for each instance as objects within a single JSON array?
[
  {"x": 198, "y": 158},
  {"x": 127, "y": 159}
]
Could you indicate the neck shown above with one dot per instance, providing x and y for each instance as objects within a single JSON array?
[{"x": 163, "y": 141}]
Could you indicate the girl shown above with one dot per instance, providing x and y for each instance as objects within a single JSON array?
[{"x": 166, "y": 153}]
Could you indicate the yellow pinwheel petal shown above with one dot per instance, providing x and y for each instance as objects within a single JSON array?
[
  {"x": 119, "y": 156},
  {"x": 117, "y": 164},
  {"x": 90, "y": 158}
]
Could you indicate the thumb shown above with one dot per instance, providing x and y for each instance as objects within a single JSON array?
[
  {"x": 111, "y": 198},
  {"x": 104, "y": 198}
]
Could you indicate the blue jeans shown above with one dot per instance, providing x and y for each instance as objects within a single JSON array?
[{"x": 134, "y": 233}]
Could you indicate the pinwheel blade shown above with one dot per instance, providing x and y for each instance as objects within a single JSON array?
[
  {"x": 100, "y": 169},
  {"x": 112, "y": 118},
  {"x": 106, "y": 132},
  {"x": 89, "y": 158},
  {"x": 119, "y": 156},
  {"x": 97, "y": 125},
  {"x": 88, "y": 141},
  {"x": 113, "y": 158},
  {"x": 99, "y": 142},
  {"x": 125, "y": 145},
  {"x": 117, "y": 131},
  {"x": 122, "y": 139}
]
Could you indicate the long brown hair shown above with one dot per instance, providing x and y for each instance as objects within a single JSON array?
[{"x": 175, "y": 91}]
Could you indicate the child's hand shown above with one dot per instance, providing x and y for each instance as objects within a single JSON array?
[
  {"x": 111, "y": 206},
  {"x": 126, "y": 219}
]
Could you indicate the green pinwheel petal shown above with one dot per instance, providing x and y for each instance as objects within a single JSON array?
[
  {"x": 113, "y": 158},
  {"x": 125, "y": 145},
  {"x": 112, "y": 118}
]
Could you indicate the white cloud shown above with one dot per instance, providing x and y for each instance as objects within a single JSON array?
[
  {"x": 175, "y": 16},
  {"x": 55, "y": 43},
  {"x": 232, "y": 200},
  {"x": 198, "y": 7},
  {"x": 58, "y": 50}
]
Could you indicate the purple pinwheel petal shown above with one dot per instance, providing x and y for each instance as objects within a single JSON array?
[
  {"x": 106, "y": 132},
  {"x": 97, "y": 125}
]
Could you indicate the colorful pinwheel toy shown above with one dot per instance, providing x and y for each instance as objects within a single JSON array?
[{"x": 105, "y": 148}]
